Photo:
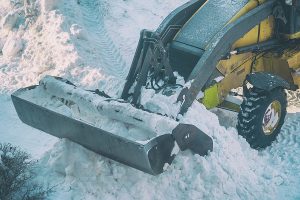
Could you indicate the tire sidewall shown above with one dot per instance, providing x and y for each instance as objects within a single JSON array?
[{"x": 274, "y": 95}]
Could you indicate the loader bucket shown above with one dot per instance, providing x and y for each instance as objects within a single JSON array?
[{"x": 148, "y": 156}]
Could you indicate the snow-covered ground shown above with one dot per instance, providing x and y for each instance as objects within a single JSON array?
[{"x": 91, "y": 43}]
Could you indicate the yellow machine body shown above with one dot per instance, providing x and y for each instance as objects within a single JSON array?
[{"x": 236, "y": 68}]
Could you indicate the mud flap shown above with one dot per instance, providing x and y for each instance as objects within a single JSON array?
[{"x": 149, "y": 157}]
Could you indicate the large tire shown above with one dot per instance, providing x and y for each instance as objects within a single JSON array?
[{"x": 257, "y": 121}]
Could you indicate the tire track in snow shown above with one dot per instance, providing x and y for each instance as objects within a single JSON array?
[
  {"x": 284, "y": 154},
  {"x": 109, "y": 59},
  {"x": 291, "y": 132}
]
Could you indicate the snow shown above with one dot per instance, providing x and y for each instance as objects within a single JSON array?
[
  {"x": 15, "y": 132},
  {"x": 91, "y": 43},
  {"x": 9, "y": 21},
  {"x": 288, "y": 2},
  {"x": 78, "y": 32},
  {"x": 48, "y": 5},
  {"x": 12, "y": 47}
]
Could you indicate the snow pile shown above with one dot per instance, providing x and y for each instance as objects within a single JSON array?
[
  {"x": 31, "y": 48},
  {"x": 45, "y": 41},
  {"x": 164, "y": 101}
]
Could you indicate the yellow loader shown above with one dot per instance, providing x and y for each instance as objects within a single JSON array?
[{"x": 216, "y": 46}]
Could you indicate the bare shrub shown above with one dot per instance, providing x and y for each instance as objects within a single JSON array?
[{"x": 17, "y": 176}]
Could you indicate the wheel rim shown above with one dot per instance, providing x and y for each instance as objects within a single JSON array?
[{"x": 271, "y": 118}]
